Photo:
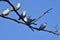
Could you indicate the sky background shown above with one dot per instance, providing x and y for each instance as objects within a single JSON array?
[{"x": 10, "y": 30}]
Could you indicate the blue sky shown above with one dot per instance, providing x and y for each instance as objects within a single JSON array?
[{"x": 10, "y": 30}]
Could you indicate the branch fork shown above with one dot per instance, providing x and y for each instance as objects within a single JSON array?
[{"x": 31, "y": 22}]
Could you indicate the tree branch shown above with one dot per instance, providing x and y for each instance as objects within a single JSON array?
[
  {"x": 29, "y": 25},
  {"x": 12, "y": 19},
  {"x": 13, "y": 8},
  {"x": 50, "y": 31},
  {"x": 42, "y": 15},
  {"x": 53, "y": 32}
]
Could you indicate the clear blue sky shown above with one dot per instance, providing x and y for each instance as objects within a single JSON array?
[{"x": 10, "y": 30}]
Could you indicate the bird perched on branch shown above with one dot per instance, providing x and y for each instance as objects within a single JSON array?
[
  {"x": 43, "y": 25},
  {"x": 5, "y": 12},
  {"x": 16, "y": 7}
]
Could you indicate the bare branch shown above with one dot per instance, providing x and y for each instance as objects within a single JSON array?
[
  {"x": 56, "y": 29},
  {"x": 53, "y": 32},
  {"x": 50, "y": 31},
  {"x": 30, "y": 27},
  {"x": 12, "y": 19},
  {"x": 17, "y": 21},
  {"x": 31, "y": 22},
  {"x": 13, "y": 8},
  {"x": 42, "y": 15},
  {"x": 4, "y": 0}
]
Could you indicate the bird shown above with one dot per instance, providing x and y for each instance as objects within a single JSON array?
[
  {"x": 5, "y": 12},
  {"x": 23, "y": 15},
  {"x": 43, "y": 25},
  {"x": 16, "y": 7}
]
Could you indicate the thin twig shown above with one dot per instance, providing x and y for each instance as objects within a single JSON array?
[
  {"x": 13, "y": 8},
  {"x": 12, "y": 19},
  {"x": 56, "y": 28},
  {"x": 31, "y": 27},
  {"x": 52, "y": 32},
  {"x": 16, "y": 21},
  {"x": 42, "y": 15}
]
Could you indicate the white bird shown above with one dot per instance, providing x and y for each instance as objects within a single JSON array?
[
  {"x": 5, "y": 12},
  {"x": 23, "y": 15},
  {"x": 17, "y": 7},
  {"x": 42, "y": 26}
]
